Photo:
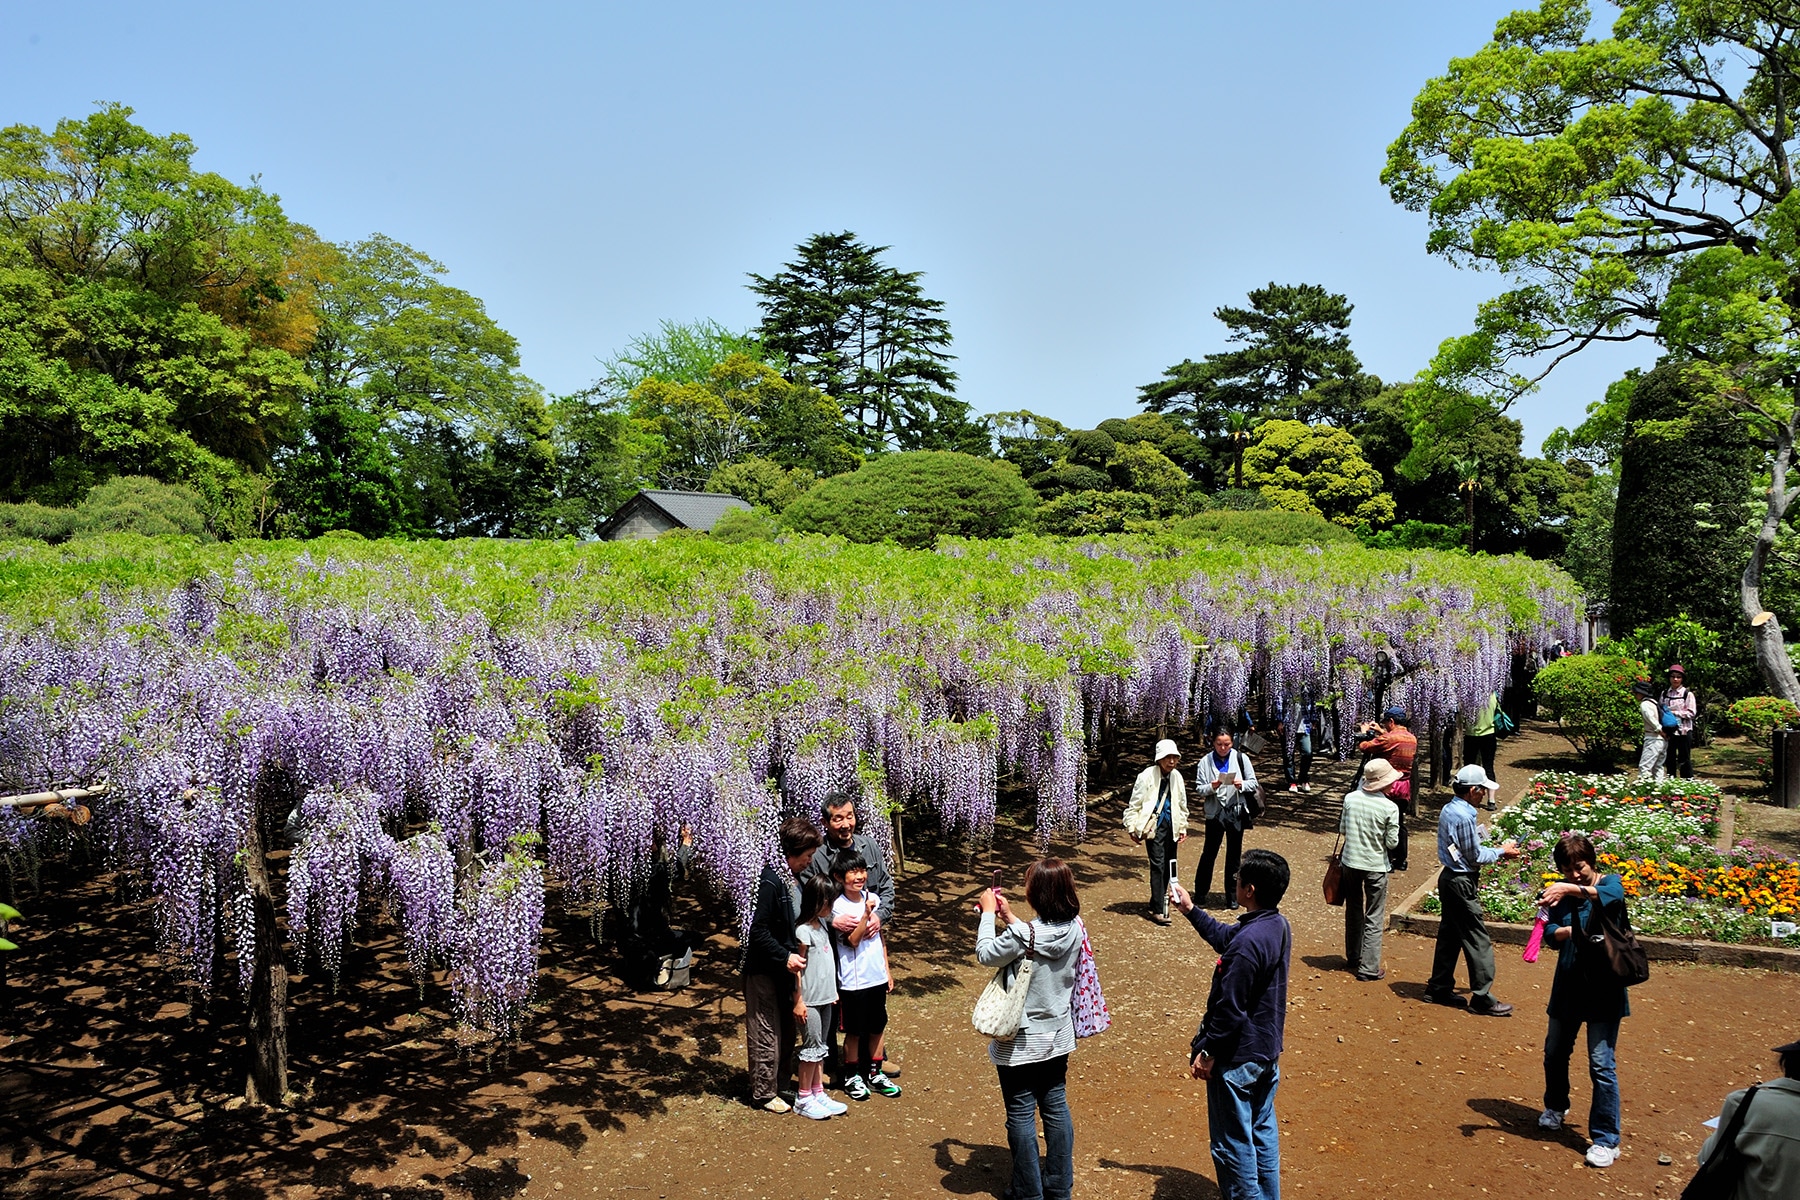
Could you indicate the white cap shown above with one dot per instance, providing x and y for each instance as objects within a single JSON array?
[
  {"x": 1473, "y": 776},
  {"x": 1165, "y": 748}
]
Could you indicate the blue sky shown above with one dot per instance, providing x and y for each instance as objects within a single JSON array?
[{"x": 1081, "y": 184}]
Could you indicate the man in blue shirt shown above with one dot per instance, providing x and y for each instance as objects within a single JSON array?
[
  {"x": 1238, "y": 1046},
  {"x": 1460, "y": 924}
]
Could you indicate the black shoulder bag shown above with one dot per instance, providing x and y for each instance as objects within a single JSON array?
[
  {"x": 1614, "y": 949},
  {"x": 1718, "y": 1176}
]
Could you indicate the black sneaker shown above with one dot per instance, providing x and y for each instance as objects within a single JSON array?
[{"x": 1447, "y": 999}]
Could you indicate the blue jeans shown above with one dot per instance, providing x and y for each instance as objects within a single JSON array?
[
  {"x": 1559, "y": 1045},
  {"x": 1240, "y": 1118},
  {"x": 1031, "y": 1090}
]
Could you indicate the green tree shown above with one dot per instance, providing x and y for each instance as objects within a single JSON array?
[
  {"x": 148, "y": 322},
  {"x": 1316, "y": 469},
  {"x": 1028, "y": 441},
  {"x": 1141, "y": 467},
  {"x": 1174, "y": 442},
  {"x": 743, "y": 408},
  {"x": 1523, "y": 504},
  {"x": 763, "y": 482},
  {"x": 1632, "y": 184},
  {"x": 679, "y": 352},
  {"x": 1679, "y": 545},
  {"x": 915, "y": 497},
  {"x": 1293, "y": 361},
  {"x": 420, "y": 421},
  {"x": 866, "y": 335}
]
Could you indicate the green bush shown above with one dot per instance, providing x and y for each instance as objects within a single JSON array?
[
  {"x": 914, "y": 497},
  {"x": 1589, "y": 697},
  {"x": 1084, "y": 514},
  {"x": 1067, "y": 477},
  {"x": 36, "y": 521},
  {"x": 1264, "y": 527},
  {"x": 1417, "y": 535},
  {"x": 1760, "y": 716},
  {"x": 1241, "y": 500},
  {"x": 139, "y": 504},
  {"x": 1091, "y": 448},
  {"x": 746, "y": 525}
]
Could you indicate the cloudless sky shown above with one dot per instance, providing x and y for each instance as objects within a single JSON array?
[{"x": 1082, "y": 184}]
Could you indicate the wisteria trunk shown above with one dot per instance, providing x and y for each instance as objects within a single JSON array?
[{"x": 268, "y": 1083}]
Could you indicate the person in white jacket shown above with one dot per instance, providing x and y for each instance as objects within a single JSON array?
[{"x": 1157, "y": 816}]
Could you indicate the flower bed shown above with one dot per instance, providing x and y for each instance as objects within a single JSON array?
[{"x": 1660, "y": 840}]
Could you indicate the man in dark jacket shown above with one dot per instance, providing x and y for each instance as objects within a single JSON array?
[
  {"x": 842, "y": 839},
  {"x": 1239, "y": 1044},
  {"x": 771, "y": 965}
]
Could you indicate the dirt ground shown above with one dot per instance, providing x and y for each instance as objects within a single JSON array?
[{"x": 114, "y": 1084}]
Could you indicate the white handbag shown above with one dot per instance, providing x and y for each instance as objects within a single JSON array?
[{"x": 1000, "y": 1009}]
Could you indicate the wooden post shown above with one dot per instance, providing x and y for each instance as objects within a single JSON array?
[{"x": 268, "y": 1079}]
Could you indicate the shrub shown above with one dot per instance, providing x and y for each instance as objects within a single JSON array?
[
  {"x": 1141, "y": 467},
  {"x": 1760, "y": 716},
  {"x": 139, "y": 504},
  {"x": 1266, "y": 527},
  {"x": 36, "y": 521},
  {"x": 1084, "y": 514},
  {"x": 1091, "y": 448},
  {"x": 1066, "y": 477},
  {"x": 1240, "y": 499},
  {"x": 1589, "y": 696},
  {"x": 762, "y": 482},
  {"x": 914, "y": 497},
  {"x": 1417, "y": 535},
  {"x": 746, "y": 525}
]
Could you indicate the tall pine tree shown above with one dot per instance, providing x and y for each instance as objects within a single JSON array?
[{"x": 868, "y": 336}]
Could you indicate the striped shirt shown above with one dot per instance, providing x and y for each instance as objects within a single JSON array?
[
  {"x": 1371, "y": 827},
  {"x": 1459, "y": 839}
]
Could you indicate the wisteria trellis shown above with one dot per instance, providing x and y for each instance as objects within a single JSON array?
[{"x": 443, "y": 725}]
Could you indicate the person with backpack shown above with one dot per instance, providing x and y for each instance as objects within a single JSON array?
[
  {"x": 1226, "y": 782},
  {"x": 1678, "y": 702},
  {"x": 1655, "y": 747},
  {"x": 1585, "y": 991},
  {"x": 1759, "y": 1128}
]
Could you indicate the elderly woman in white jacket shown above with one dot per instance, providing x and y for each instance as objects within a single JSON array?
[
  {"x": 1225, "y": 781},
  {"x": 1157, "y": 816}
]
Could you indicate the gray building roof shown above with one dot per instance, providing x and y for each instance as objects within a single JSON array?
[{"x": 692, "y": 510}]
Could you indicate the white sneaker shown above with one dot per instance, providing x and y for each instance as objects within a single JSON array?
[
  {"x": 809, "y": 1106},
  {"x": 1602, "y": 1156},
  {"x": 829, "y": 1105},
  {"x": 1550, "y": 1119}
]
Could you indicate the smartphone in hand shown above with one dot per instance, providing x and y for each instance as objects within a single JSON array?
[{"x": 996, "y": 884}]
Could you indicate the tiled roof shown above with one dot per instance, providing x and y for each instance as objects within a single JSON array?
[{"x": 696, "y": 510}]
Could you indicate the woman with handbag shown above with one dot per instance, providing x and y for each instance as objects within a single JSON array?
[
  {"x": 1370, "y": 825},
  {"x": 1585, "y": 990},
  {"x": 1033, "y": 1061}
]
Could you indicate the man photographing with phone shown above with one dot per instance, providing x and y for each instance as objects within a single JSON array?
[{"x": 1238, "y": 1046}]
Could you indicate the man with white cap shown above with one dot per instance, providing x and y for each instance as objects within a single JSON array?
[
  {"x": 1460, "y": 923},
  {"x": 1157, "y": 816}
]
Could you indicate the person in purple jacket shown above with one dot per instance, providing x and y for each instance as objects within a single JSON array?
[{"x": 1239, "y": 1044}]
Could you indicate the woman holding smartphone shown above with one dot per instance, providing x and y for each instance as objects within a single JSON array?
[
  {"x": 1225, "y": 781},
  {"x": 1034, "y": 1063}
]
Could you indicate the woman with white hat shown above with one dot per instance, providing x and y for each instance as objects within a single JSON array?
[{"x": 1157, "y": 816}]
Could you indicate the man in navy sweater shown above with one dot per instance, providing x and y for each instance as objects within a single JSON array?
[{"x": 1239, "y": 1042}]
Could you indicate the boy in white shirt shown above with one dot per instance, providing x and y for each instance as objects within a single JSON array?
[{"x": 863, "y": 983}]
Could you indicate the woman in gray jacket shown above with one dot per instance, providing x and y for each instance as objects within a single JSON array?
[{"x": 1034, "y": 1063}]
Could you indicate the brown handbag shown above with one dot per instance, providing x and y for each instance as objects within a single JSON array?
[{"x": 1334, "y": 874}]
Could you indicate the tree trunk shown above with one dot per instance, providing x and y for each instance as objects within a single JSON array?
[
  {"x": 268, "y": 1082},
  {"x": 1765, "y": 628},
  {"x": 1469, "y": 517},
  {"x": 1237, "y": 468}
]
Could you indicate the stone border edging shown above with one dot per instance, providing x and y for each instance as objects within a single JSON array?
[{"x": 1659, "y": 949}]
